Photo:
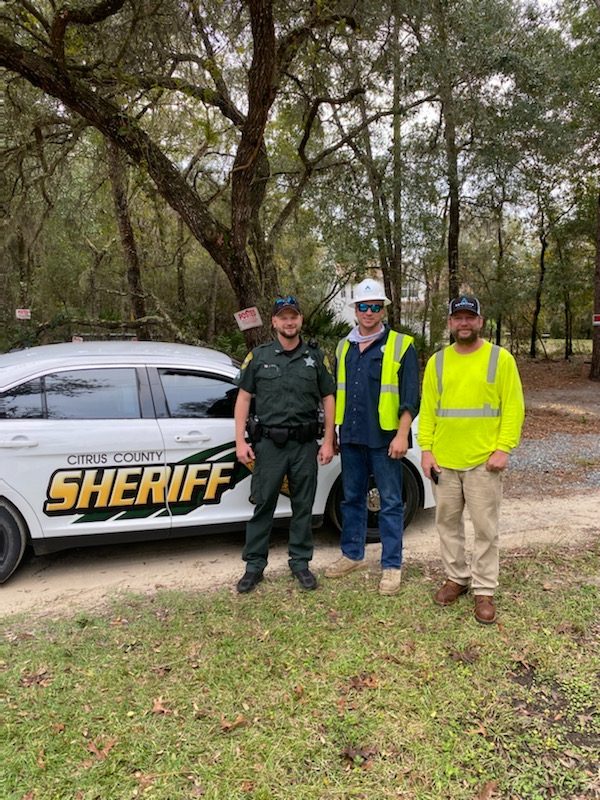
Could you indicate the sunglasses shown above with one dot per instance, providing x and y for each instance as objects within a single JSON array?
[
  {"x": 290, "y": 300},
  {"x": 375, "y": 307}
]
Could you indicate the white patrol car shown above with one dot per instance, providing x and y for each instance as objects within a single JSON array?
[{"x": 106, "y": 442}]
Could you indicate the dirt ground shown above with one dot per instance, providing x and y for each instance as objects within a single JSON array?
[{"x": 547, "y": 514}]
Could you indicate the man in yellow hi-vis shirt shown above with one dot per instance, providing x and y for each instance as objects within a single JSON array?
[{"x": 472, "y": 412}]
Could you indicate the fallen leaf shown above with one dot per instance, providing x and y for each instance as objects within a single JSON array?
[
  {"x": 40, "y": 678},
  {"x": 144, "y": 780},
  {"x": 467, "y": 656},
  {"x": 363, "y": 681},
  {"x": 478, "y": 730},
  {"x": 41, "y": 759},
  {"x": 359, "y": 756},
  {"x": 158, "y": 707},
  {"x": 238, "y": 722},
  {"x": 488, "y": 790},
  {"x": 247, "y": 786},
  {"x": 101, "y": 752},
  {"x": 58, "y": 727}
]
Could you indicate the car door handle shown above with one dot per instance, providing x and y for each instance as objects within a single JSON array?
[
  {"x": 194, "y": 436},
  {"x": 18, "y": 441}
]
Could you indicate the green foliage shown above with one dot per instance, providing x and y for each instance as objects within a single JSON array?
[
  {"x": 232, "y": 343},
  {"x": 522, "y": 82}
]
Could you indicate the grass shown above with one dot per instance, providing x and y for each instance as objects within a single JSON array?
[{"x": 333, "y": 694}]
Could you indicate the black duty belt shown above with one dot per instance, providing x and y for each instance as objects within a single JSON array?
[{"x": 307, "y": 432}]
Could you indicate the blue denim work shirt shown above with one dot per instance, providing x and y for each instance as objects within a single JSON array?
[{"x": 363, "y": 381}]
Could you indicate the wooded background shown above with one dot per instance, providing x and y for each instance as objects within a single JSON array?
[{"x": 168, "y": 163}]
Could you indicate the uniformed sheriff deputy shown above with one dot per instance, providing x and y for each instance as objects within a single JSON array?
[{"x": 289, "y": 380}]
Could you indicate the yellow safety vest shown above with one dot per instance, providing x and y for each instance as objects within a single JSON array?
[{"x": 389, "y": 394}]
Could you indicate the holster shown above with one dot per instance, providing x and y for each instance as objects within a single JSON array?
[{"x": 254, "y": 430}]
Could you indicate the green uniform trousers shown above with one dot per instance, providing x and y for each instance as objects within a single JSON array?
[{"x": 299, "y": 462}]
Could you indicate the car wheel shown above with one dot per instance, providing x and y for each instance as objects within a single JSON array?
[
  {"x": 13, "y": 540},
  {"x": 410, "y": 494}
]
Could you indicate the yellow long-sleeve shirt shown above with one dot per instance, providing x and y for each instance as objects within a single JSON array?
[{"x": 464, "y": 442}]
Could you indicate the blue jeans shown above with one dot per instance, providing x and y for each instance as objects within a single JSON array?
[{"x": 358, "y": 463}]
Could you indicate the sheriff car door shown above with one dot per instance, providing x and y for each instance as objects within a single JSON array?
[{"x": 82, "y": 454}]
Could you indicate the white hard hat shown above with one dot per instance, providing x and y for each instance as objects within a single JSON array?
[{"x": 368, "y": 291}]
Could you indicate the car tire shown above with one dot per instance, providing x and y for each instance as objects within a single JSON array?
[
  {"x": 13, "y": 540},
  {"x": 410, "y": 493}
]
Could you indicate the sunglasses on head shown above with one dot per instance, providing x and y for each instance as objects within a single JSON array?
[
  {"x": 375, "y": 307},
  {"x": 290, "y": 300}
]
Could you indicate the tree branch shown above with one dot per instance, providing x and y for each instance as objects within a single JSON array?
[
  {"x": 108, "y": 118},
  {"x": 79, "y": 16}
]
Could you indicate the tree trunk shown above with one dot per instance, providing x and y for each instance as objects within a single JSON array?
[
  {"x": 454, "y": 211},
  {"x": 395, "y": 266},
  {"x": 24, "y": 267},
  {"x": 374, "y": 179},
  {"x": 595, "y": 368},
  {"x": 180, "y": 268},
  {"x": 538, "y": 291},
  {"x": 211, "y": 322},
  {"x": 449, "y": 117},
  {"x": 500, "y": 271},
  {"x": 117, "y": 171},
  {"x": 568, "y": 326}
]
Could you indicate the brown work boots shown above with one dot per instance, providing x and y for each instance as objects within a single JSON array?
[
  {"x": 449, "y": 593},
  {"x": 485, "y": 608}
]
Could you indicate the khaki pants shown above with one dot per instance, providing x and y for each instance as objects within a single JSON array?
[{"x": 481, "y": 492}]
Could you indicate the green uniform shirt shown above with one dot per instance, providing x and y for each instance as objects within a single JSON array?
[{"x": 287, "y": 388}]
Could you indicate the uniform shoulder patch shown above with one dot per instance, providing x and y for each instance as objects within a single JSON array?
[{"x": 247, "y": 360}]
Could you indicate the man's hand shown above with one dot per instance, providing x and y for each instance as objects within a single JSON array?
[
  {"x": 398, "y": 446},
  {"x": 326, "y": 453},
  {"x": 497, "y": 462},
  {"x": 429, "y": 464},
  {"x": 244, "y": 453}
]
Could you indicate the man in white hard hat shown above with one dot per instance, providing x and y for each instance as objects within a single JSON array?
[{"x": 377, "y": 398}]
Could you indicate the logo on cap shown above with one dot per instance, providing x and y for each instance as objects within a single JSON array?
[{"x": 465, "y": 303}]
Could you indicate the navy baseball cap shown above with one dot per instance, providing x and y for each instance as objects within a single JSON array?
[
  {"x": 465, "y": 302},
  {"x": 285, "y": 304}
]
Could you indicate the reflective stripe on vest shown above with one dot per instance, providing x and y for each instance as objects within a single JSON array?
[
  {"x": 340, "y": 397},
  {"x": 389, "y": 395},
  {"x": 484, "y": 411}
]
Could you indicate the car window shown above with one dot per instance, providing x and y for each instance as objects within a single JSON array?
[
  {"x": 22, "y": 402},
  {"x": 92, "y": 394},
  {"x": 191, "y": 394}
]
